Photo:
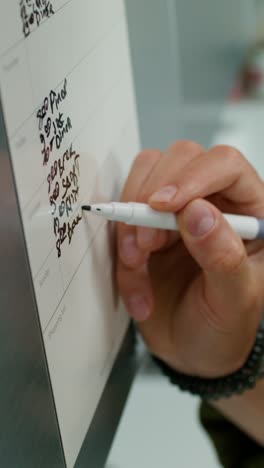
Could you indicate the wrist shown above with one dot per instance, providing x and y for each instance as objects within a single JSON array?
[
  {"x": 216, "y": 388},
  {"x": 215, "y": 355}
]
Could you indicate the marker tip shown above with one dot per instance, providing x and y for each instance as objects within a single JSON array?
[{"x": 86, "y": 207}]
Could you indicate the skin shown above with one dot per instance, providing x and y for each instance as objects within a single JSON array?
[{"x": 197, "y": 296}]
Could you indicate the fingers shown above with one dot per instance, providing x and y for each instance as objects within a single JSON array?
[
  {"x": 128, "y": 249},
  {"x": 168, "y": 169},
  {"x": 169, "y": 182},
  {"x": 150, "y": 239},
  {"x": 173, "y": 161},
  {"x": 141, "y": 170},
  {"x": 133, "y": 280},
  {"x": 150, "y": 171},
  {"x": 135, "y": 244},
  {"x": 133, "y": 249},
  {"x": 230, "y": 290},
  {"x": 135, "y": 288},
  {"x": 222, "y": 170}
]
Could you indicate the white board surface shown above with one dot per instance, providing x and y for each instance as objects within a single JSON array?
[{"x": 67, "y": 92}]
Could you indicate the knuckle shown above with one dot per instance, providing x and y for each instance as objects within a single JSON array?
[
  {"x": 143, "y": 195},
  {"x": 186, "y": 146},
  {"x": 147, "y": 155},
  {"x": 232, "y": 154}
]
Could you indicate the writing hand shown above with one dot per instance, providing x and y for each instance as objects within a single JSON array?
[{"x": 198, "y": 299}]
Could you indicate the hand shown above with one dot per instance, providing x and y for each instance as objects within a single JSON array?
[{"x": 198, "y": 298}]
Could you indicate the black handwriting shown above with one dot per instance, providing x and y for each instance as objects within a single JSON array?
[
  {"x": 65, "y": 231},
  {"x": 64, "y": 171},
  {"x": 33, "y": 12}
]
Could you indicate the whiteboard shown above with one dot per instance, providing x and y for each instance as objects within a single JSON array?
[{"x": 67, "y": 91}]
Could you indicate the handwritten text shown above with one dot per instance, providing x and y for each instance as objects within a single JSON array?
[{"x": 33, "y": 12}]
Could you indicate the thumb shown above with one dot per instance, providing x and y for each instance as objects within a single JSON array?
[{"x": 229, "y": 288}]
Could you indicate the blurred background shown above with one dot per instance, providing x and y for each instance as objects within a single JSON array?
[{"x": 199, "y": 74}]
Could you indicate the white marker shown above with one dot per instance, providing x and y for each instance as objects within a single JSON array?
[{"x": 139, "y": 214}]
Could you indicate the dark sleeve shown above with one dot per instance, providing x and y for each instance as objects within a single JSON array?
[{"x": 234, "y": 448}]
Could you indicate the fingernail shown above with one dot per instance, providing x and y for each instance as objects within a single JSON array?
[
  {"x": 138, "y": 308},
  {"x": 129, "y": 248},
  {"x": 199, "y": 219},
  {"x": 166, "y": 194},
  {"x": 146, "y": 236}
]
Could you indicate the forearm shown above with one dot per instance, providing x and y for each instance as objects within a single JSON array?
[{"x": 246, "y": 411}]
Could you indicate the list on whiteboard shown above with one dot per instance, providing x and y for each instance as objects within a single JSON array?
[
  {"x": 63, "y": 172},
  {"x": 67, "y": 91},
  {"x": 33, "y": 12}
]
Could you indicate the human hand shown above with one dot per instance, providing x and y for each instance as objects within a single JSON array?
[{"x": 198, "y": 298}]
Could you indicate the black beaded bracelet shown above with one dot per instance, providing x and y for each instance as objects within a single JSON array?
[{"x": 222, "y": 387}]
